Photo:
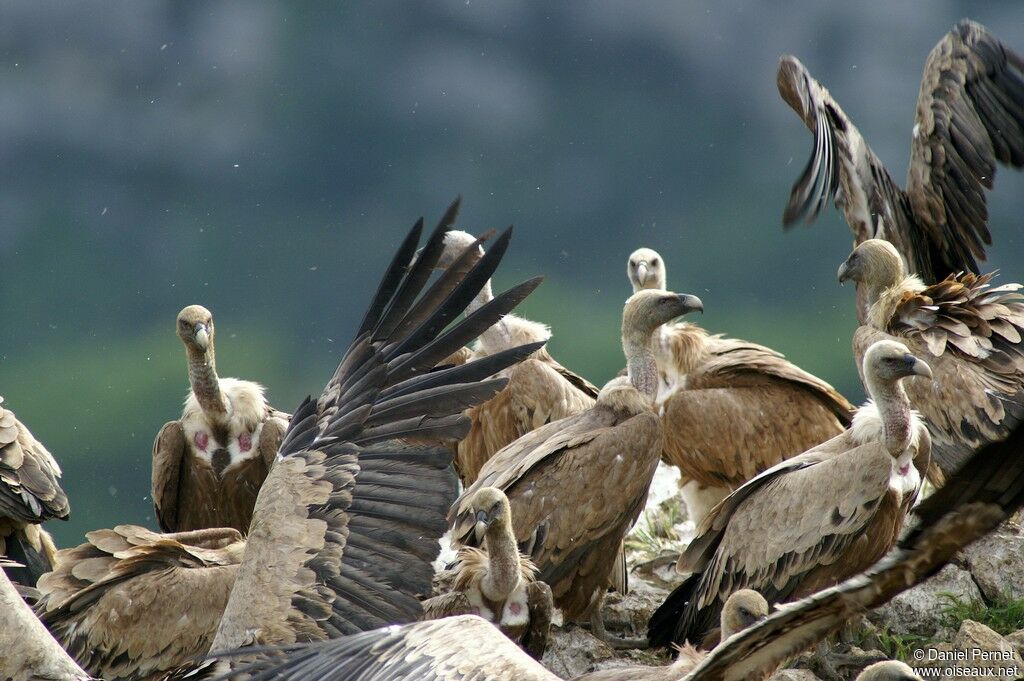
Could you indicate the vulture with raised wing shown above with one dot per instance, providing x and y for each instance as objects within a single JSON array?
[
  {"x": 731, "y": 409},
  {"x": 30, "y": 652},
  {"x": 209, "y": 464},
  {"x": 348, "y": 521},
  {"x": 968, "y": 332},
  {"x": 812, "y": 520},
  {"x": 970, "y": 115},
  {"x": 973, "y": 502},
  {"x": 539, "y": 391},
  {"x": 498, "y": 583},
  {"x": 30, "y": 493},
  {"x": 577, "y": 485}
]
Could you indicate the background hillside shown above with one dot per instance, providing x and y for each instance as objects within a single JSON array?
[{"x": 263, "y": 159}]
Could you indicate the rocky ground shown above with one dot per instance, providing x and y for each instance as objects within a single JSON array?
[{"x": 973, "y": 609}]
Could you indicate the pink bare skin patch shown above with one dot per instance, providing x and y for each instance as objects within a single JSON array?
[
  {"x": 515, "y": 608},
  {"x": 202, "y": 440},
  {"x": 245, "y": 442},
  {"x": 904, "y": 469}
]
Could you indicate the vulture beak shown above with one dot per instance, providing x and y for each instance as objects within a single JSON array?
[
  {"x": 690, "y": 303},
  {"x": 642, "y": 272},
  {"x": 917, "y": 367},
  {"x": 483, "y": 521},
  {"x": 844, "y": 273},
  {"x": 202, "y": 336}
]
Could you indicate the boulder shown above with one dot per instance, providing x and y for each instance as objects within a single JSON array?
[
  {"x": 919, "y": 610},
  {"x": 629, "y": 614},
  {"x": 573, "y": 651},
  {"x": 1016, "y": 639},
  {"x": 984, "y": 652},
  {"x": 793, "y": 675},
  {"x": 997, "y": 563}
]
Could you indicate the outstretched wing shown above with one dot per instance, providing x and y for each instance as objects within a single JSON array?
[{"x": 169, "y": 451}]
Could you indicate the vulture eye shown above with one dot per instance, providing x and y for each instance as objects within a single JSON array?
[{"x": 654, "y": 262}]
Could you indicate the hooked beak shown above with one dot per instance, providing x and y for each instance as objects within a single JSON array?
[
  {"x": 918, "y": 367},
  {"x": 843, "y": 274},
  {"x": 202, "y": 336},
  {"x": 691, "y": 303},
  {"x": 483, "y": 521},
  {"x": 643, "y": 271}
]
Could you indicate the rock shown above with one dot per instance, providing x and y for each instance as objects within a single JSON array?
[
  {"x": 997, "y": 563},
  {"x": 629, "y": 614},
  {"x": 793, "y": 675},
  {"x": 1016, "y": 639},
  {"x": 987, "y": 654},
  {"x": 919, "y": 610},
  {"x": 574, "y": 651}
]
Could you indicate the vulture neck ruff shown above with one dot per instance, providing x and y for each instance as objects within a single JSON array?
[
  {"x": 202, "y": 375},
  {"x": 882, "y": 303},
  {"x": 510, "y": 331}
]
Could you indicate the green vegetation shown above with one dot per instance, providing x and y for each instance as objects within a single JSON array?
[{"x": 1004, "y": 616}]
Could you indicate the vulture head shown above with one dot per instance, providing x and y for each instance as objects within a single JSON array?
[
  {"x": 742, "y": 609},
  {"x": 490, "y": 507},
  {"x": 889, "y": 670},
  {"x": 888, "y": 361},
  {"x": 875, "y": 263},
  {"x": 648, "y": 309},
  {"x": 646, "y": 269},
  {"x": 455, "y": 244},
  {"x": 195, "y": 328}
]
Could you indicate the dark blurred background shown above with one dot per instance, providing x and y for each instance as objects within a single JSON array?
[{"x": 264, "y": 159}]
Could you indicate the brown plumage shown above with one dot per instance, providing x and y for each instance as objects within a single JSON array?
[
  {"x": 208, "y": 465},
  {"x": 731, "y": 409},
  {"x": 30, "y": 493},
  {"x": 539, "y": 391},
  {"x": 577, "y": 485},
  {"x": 497, "y": 583},
  {"x": 968, "y": 332},
  {"x": 813, "y": 520},
  {"x": 30, "y": 653},
  {"x": 132, "y": 603},
  {"x": 970, "y": 115}
]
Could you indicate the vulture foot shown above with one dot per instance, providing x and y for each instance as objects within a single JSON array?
[{"x": 614, "y": 642}]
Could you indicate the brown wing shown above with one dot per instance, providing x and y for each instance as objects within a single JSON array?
[
  {"x": 539, "y": 601},
  {"x": 537, "y": 394},
  {"x": 30, "y": 490},
  {"x": 271, "y": 436},
  {"x": 448, "y": 605},
  {"x": 132, "y": 602},
  {"x": 970, "y": 336},
  {"x": 169, "y": 450},
  {"x": 744, "y": 410}
]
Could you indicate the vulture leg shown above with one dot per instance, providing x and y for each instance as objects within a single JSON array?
[
  {"x": 540, "y": 603},
  {"x": 615, "y": 642}
]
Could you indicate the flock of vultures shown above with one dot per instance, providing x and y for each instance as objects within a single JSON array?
[{"x": 301, "y": 546}]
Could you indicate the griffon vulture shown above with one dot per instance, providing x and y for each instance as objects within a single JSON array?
[
  {"x": 970, "y": 115},
  {"x": 29, "y": 650},
  {"x": 969, "y": 334},
  {"x": 497, "y": 583},
  {"x": 577, "y": 485},
  {"x": 972, "y": 503},
  {"x": 209, "y": 464},
  {"x": 30, "y": 493},
  {"x": 731, "y": 409},
  {"x": 349, "y": 519},
  {"x": 539, "y": 391},
  {"x": 813, "y": 520}
]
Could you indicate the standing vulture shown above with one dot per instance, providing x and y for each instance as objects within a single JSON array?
[
  {"x": 731, "y": 409},
  {"x": 968, "y": 332},
  {"x": 577, "y": 485},
  {"x": 30, "y": 493},
  {"x": 973, "y": 502},
  {"x": 813, "y": 520},
  {"x": 970, "y": 115},
  {"x": 209, "y": 464},
  {"x": 539, "y": 391},
  {"x": 497, "y": 583},
  {"x": 347, "y": 522}
]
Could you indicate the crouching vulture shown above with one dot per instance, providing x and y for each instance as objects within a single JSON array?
[
  {"x": 731, "y": 409},
  {"x": 968, "y": 332},
  {"x": 497, "y": 583},
  {"x": 539, "y": 390},
  {"x": 30, "y": 493},
  {"x": 209, "y": 464},
  {"x": 348, "y": 521},
  {"x": 970, "y": 116},
  {"x": 576, "y": 485},
  {"x": 813, "y": 520}
]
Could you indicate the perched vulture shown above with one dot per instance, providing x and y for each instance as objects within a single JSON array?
[
  {"x": 577, "y": 485},
  {"x": 497, "y": 583},
  {"x": 30, "y": 493},
  {"x": 348, "y": 521},
  {"x": 539, "y": 391},
  {"x": 968, "y": 332},
  {"x": 730, "y": 409},
  {"x": 970, "y": 115},
  {"x": 812, "y": 520},
  {"x": 29, "y": 651},
  {"x": 209, "y": 464}
]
